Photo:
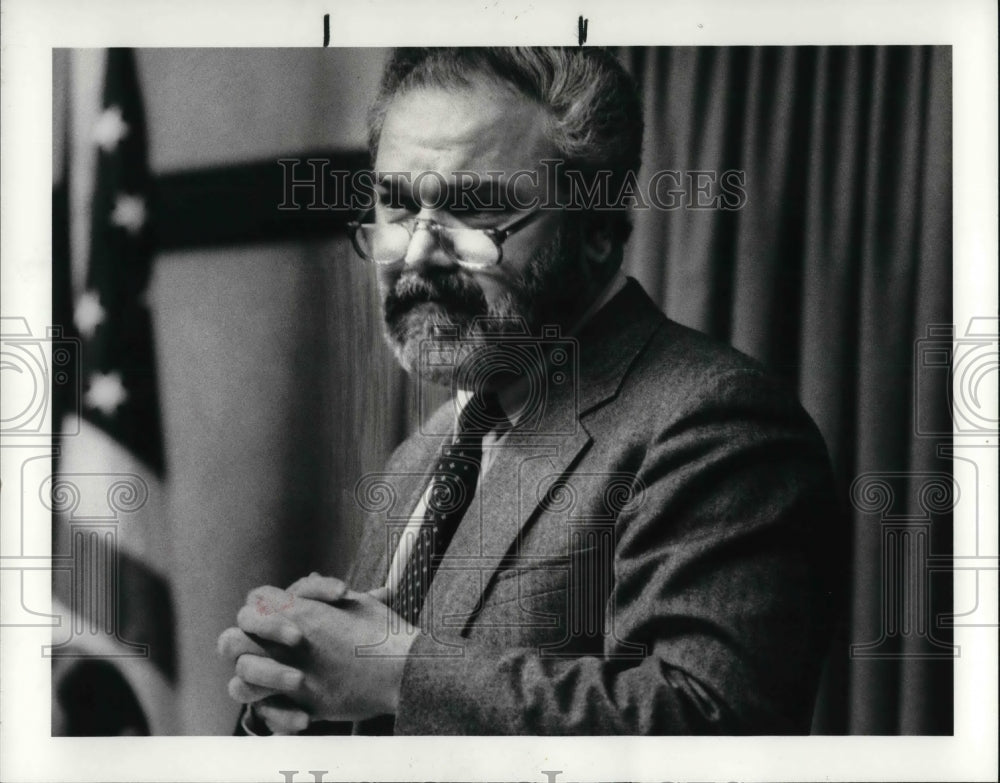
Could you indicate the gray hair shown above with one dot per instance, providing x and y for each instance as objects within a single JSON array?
[{"x": 595, "y": 116}]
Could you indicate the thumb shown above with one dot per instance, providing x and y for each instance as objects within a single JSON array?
[{"x": 320, "y": 588}]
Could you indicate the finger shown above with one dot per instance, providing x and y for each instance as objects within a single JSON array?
[
  {"x": 246, "y": 692},
  {"x": 268, "y": 673},
  {"x": 320, "y": 588},
  {"x": 233, "y": 643},
  {"x": 294, "y": 586},
  {"x": 273, "y": 627},
  {"x": 283, "y": 720},
  {"x": 269, "y": 600}
]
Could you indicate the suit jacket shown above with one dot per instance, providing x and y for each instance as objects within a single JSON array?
[{"x": 656, "y": 551}]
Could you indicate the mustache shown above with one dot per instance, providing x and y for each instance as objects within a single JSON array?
[{"x": 453, "y": 291}]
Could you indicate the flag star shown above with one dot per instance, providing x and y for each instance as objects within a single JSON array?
[
  {"x": 129, "y": 213},
  {"x": 106, "y": 392},
  {"x": 88, "y": 313},
  {"x": 110, "y": 128}
]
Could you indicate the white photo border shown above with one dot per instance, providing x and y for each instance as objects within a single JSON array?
[{"x": 31, "y": 29}]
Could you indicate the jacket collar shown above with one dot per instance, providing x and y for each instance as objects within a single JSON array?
[{"x": 610, "y": 342}]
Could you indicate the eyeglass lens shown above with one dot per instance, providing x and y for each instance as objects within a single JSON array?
[{"x": 387, "y": 243}]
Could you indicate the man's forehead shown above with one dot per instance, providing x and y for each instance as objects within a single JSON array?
[{"x": 480, "y": 128}]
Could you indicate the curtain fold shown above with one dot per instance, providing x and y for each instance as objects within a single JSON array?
[{"x": 830, "y": 273}]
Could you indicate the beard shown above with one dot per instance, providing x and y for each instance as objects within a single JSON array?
[{"x": 444, "y": 312}]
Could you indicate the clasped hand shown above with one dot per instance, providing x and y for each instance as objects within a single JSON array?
[{"x": 316, "y": 651}]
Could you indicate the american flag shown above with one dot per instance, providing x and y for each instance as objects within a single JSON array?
[{"x": 115, "y": 673}]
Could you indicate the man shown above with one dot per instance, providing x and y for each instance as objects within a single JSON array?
[{"x": 647, "y": 544}]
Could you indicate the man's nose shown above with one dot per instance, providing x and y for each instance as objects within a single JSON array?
[{"x": 424, "y": 248}]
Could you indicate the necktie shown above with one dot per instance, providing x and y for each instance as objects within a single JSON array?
[{"x": 451, "y": 490}]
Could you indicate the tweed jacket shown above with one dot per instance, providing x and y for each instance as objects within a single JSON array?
[{"x": 658, "y": 551}]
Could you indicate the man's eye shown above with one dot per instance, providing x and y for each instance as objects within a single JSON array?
[
  {"x": 393, "y": 213},
  {"x": 479, "y": 218}
]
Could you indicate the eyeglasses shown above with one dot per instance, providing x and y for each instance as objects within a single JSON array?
[{"x": 474, "y": 248}]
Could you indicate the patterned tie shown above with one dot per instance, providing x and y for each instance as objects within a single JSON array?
[{"x": 451, "y": 489}]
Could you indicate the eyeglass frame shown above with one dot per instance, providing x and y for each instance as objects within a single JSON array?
[{"x": 497, "y": 234}]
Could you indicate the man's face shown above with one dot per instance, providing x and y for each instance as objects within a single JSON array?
[{"x": 482, "y": 129}]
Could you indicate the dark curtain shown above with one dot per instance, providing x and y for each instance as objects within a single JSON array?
[{"x": 831, "y": 273}]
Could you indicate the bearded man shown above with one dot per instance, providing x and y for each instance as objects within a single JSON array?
[{"x": 616, "y": 525}]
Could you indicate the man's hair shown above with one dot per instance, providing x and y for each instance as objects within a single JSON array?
[{"x": 595, "y": 116}]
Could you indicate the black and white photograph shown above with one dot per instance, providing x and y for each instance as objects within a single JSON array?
[{"x": 413, "y": 406}]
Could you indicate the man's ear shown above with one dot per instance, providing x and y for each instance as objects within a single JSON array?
[{"x": 598, "y": 245}]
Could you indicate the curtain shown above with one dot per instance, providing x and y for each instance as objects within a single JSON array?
[{"x": 834, "y": 271}]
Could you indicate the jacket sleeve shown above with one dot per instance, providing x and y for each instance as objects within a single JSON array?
[{"x": 725, "y": 575}]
